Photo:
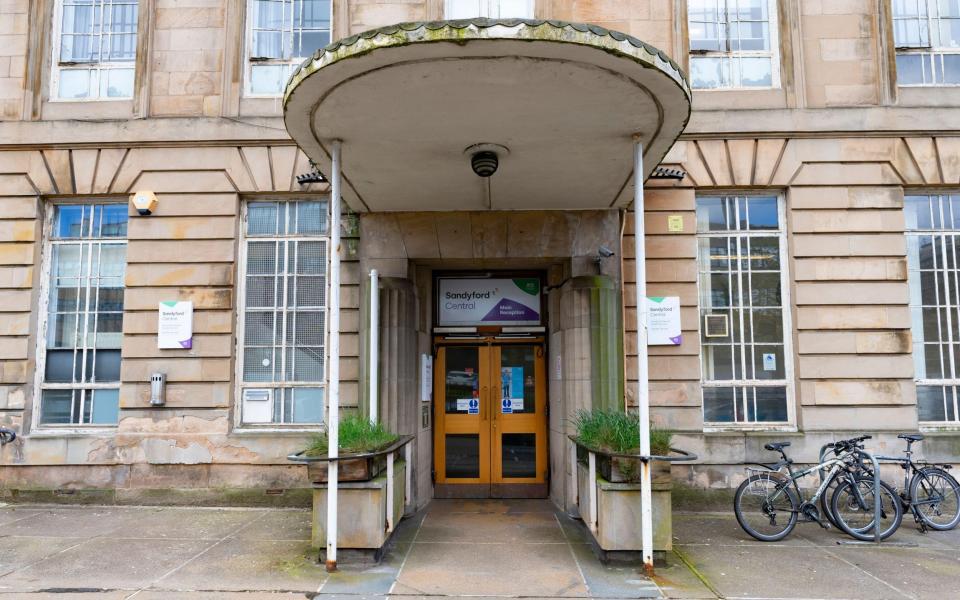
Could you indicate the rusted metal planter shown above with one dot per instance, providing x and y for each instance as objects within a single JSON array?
[{"x": 363, "y": 468}]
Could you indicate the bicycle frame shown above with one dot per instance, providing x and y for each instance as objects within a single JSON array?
[{"x": 835, "y": 465}]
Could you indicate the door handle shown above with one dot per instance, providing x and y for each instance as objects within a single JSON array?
[{"x": 483, "y": 403}]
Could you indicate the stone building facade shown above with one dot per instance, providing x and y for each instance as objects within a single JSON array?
[{"x": 861, "y": 170}]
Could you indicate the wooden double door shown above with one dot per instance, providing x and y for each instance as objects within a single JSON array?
[{"x": 490, "y": 419}]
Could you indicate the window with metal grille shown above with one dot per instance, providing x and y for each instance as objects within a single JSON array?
[
  {"x": 926, "y": 34},
  {"x": 491, "y": 9},
  {"x": 733, "y": 44},
  {"x": 284, "y": 312},
  {"x": 79, "y": 368},
  {"x": 744, "y": 311},
  {"x": 933, "y": 247},
  {"x": 280, "y": 35},
  {"x": 95, "y": 46}
]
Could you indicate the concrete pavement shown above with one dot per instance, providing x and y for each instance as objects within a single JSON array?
[{"x": 477, "y": 549}]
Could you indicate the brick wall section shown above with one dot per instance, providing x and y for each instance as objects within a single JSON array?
[
  {"x": 13, "y": 53},
  {"x": 188, "y": 58}
]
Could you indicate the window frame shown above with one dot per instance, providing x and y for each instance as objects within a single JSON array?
[
  {"x": 241, "y": 304},
  {"x": 942, "y": 196},
  {"x": 43, "y": 324},
  {"x": 775, "y": 53},
  {"x": 789, "y": 380},
  {"x": 248, "y": 63},
  {"x": 487, "y": 7},
  {"x": 935, "y": 53},
  {"x": 56, "y": 68}
]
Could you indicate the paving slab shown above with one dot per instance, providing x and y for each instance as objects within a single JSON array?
[
  {"x": 919, "y": 572},
  {"x": 9, "y": 514},
  {"x": 17, "y": 552},
  {"x": 507, "y": 527},
  {"x": 63, "y": 521},
  {"x": 104, "y": 563},
  {"x": 490, "y": 569},
  {"x": 288, "y": 525},
  {"x": 237, "y": 564},
  {"x": 179, "y": 523}
]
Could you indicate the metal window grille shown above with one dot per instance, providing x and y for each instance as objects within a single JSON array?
[
  {"x": 926, "y": 34},
  {"x": 933, "y": 249},
  {"x": 96, "y": 46},
  {"x": 746, "y": 365},
  {"x": 285, "y": 307},
  {"x": 281, "y": 34},
  {"x": 733, "y": 44},
  {"x": 80, "y": 366}
]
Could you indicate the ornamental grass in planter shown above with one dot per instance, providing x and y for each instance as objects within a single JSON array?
[
  {"x": 617, "y": 432},
  {"x": 356, "y": 435}
]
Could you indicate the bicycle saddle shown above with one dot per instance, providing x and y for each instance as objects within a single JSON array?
[
  {"x": 776, "y": 446},
  {"x": 913, "y": 437}
]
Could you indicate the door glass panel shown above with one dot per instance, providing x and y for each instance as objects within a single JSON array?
[
  {"x": 461, "y": 379},
  {"x": 463, "y": 455},
  {"x": 519, "y": 454},
  {"x": 518, "y": 389}
]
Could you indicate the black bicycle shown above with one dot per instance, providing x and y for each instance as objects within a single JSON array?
[
  {"x": 6, "y": 436},
  {"x": 769, "y": 502},
  {"x": 930, "y": 492}
]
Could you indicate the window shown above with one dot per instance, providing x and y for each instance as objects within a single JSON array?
[
  {"x": 933, "y": 246},
  {"x": 284, "y": 312},
  {"x": 95, "y": 49},
  {"x": 743, "y": 310},
  {"x": 493, "y": 9},
  {"x": 282, "y": 33},
  {"x": 733, "y": 44},
  {"x": 79, "y": 368},
  {"x": 926, "y": 34}
]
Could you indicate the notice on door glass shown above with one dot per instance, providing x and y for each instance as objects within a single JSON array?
[
  {"x": 769, "y": 362},
  {"x": 511, "y": 384}
]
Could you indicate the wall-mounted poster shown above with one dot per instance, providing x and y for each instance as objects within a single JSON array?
[
  {"x": 487, "y": 301},
  {"x": 663, "y": 321},
  {"x": 175, "y": 325}
]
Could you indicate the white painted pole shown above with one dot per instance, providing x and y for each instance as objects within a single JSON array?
[
  {"x": 390, "y": 485},
  {"x": 592, "y": 478},
  {"x": 643, "y": 375},
  {"x": 333, "y": 385},
  {"x": 374, "y": 344}
]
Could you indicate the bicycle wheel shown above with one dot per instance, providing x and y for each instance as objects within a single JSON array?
[
  {"x": 936, "y": 495},
  {"x": 766, "y": 507},
  {"x": 855, "y": 515}
]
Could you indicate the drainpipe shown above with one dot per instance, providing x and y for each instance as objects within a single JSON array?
[
  {"x": 643, "y": 376},
  {"x": 333, "y": 385},
  {"x": 374, "y": 344}
]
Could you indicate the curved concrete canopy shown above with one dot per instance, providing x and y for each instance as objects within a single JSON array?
[{"x": 565, "y": 99}]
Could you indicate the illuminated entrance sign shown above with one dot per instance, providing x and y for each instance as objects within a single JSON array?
[{"x": 463, "y": 302}]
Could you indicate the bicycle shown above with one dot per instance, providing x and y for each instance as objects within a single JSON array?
[
  {"x": 6, "y": 436},
  {"x": 929, "y": 491},
  {"x": 769, "y": 494}
]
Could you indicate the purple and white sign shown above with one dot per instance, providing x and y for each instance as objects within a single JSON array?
[
  {"x": 663, "y": 321},
  {"x": 469, "y": 302},
  {"x": 175, "y": 325}
]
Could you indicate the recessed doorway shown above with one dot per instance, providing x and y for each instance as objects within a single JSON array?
[{"x": 490, "y": 418}]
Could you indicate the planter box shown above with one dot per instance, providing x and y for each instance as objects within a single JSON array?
[
  {"x": 618, "y": 510},
  {"x": 351, "y": 469},
  {"x": 361, "y": 511}
]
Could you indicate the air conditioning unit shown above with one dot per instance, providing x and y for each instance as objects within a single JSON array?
[
  {"x": 715, "y": 326},
  {"x": 257, "y": 406}
]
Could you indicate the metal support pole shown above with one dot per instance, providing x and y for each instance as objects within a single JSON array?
[
  {"x": 592, "y": 478},
  {"x": 333, "y": 385},
  {"x": 374, "y": 344},
  {"x": 643, "y": 376},
  {"x": 877, "y": 504},
  {"x": 408, "y": 471},
  {"x": 390, "y": 492}
]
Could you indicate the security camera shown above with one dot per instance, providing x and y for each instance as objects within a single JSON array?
[
  {"x": 145, "y": 202},
  {"x": 605, "y": 252}
]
